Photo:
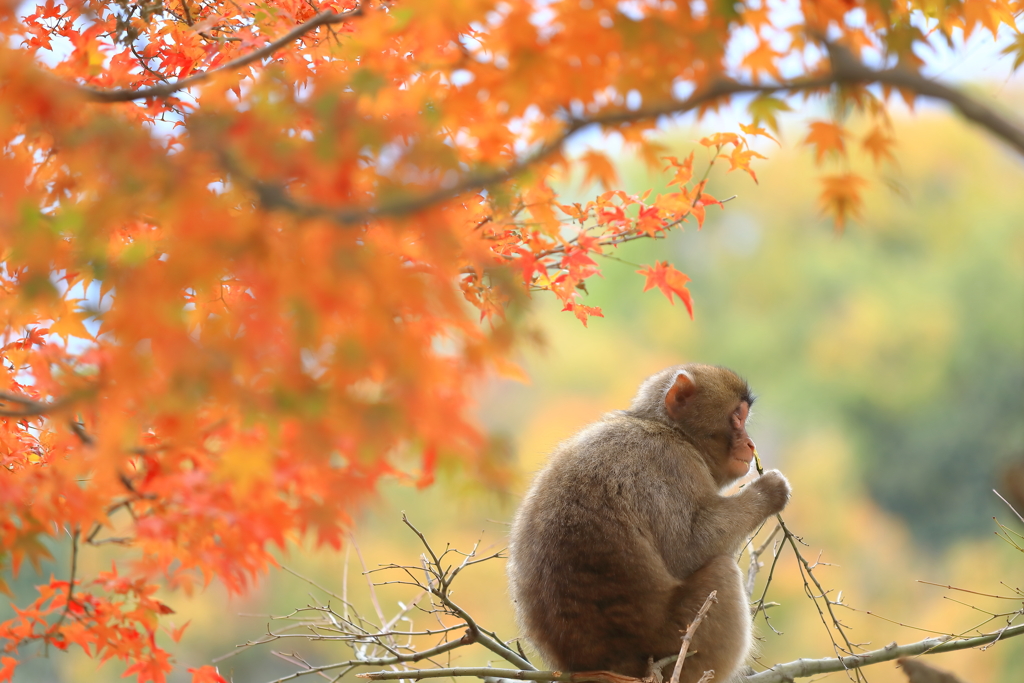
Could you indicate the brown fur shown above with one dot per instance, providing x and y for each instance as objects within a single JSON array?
[{"x": 624, "y": 533}]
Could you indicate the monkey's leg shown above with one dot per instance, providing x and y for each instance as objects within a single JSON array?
[{"x": 722, "y": 641}]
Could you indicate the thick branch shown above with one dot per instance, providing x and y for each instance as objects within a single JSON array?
[
  {"x": 30, "y": 407},
  {"x": 488, "y": 673},
  {"x": 782, "y": 673},
  {"x": 324, "y": 18},
  {"x": 846, "y": 70}
]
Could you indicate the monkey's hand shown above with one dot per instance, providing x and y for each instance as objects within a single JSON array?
[{"x": 772, "y": 490}]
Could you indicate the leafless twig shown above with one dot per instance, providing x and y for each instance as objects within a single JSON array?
[{"x": 688, "y": 636}]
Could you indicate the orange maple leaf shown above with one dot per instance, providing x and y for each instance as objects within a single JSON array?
[
  {"x": 763, "y": 59},
  {"x": 826, "y": 136},
  {"x": 879, "y": 145},
  {"x": 599, "y": 167},
  {"x": 740, "y": 159},
  {"x": 683, "y": 169},
  {"x": 670, "y": 281},
  {"x": 841, "y": 196},
  {"x": 583, "y": 312},
  {"x": 754, "y": 129}
]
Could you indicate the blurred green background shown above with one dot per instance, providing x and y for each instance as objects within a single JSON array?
[{"x": 889, "y": 364}]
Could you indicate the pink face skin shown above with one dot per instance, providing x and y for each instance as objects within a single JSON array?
[{"x": 742, "y": 453}]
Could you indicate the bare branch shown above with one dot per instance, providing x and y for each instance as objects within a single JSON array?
[
  {"x": 490, "y": 674},
  {"x": 381, "y": 661},
  {"x": 755, "y": 561},
  {"x": 440, "y": 591},
  {"x": 690, "y": 630},
  {"x": 783, "y": 673},
  {"x": 1019, "y": 516}
]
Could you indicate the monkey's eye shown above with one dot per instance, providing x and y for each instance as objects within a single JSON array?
[{"x": 739, "y": 416}]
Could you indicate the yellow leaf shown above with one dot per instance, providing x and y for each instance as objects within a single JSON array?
[{"x": 510, "y": 370}]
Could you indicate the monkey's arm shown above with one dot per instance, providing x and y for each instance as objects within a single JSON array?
[{"x": 723, "y": 523}]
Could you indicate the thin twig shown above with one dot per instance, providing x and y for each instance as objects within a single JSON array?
[
  {"x": 690, "y": 630},
  {"x": 1021, "y": 518},
  {"x": 379, "y": 661},
  {"x": 964, "y": 590},
  {"x": 52, "y": 631},
  {"x": 755, "y": 556}
]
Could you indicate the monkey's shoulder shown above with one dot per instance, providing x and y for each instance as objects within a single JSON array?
[
  {"x": 622, "y": 436},
  {"x": 622, "y": 448}
]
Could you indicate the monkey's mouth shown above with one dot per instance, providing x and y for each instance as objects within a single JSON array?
[{"x": 745, "y": 458}]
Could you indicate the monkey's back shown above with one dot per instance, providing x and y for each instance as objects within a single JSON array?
[{"x": 587, "y": 569}]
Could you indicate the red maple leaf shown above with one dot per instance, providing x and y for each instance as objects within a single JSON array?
[{"x": 670, "y": 281}]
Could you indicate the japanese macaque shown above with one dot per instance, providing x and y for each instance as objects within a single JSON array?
[{"x": 625, "y": 533}]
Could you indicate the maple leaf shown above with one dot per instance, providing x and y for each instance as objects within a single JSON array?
[
  {"x": 650, "y": 221},
  {"x": 720, "y": 140},
  {"x": 7, "y": 667},
  {"x": 826, "y": 136},
  {"x": 1016, "y": 48},
  {"x": 683, "y": 170},
  {"x": 841, "y": 197},
  {"x": 740, "y": 159},
  {"x": 177, "y": 633},
  {"x": 598, "y": 167},
  {"x": 670, "y": 281},
  {"x": 763, "y": 60},
  {"x": 579, "y": 265},
  {"x": 765, "y": 109},
  {"x": 753, "y": 129},
  {"x": 583, "y": 313},
  {"x": 206, "y": 674},
  {"x": 879, "y": 144}
]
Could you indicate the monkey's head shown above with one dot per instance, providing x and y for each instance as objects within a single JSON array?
[{"x": 710, "y": 406}]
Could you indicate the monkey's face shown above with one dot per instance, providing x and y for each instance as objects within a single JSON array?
[{"x": 741, "y": 446}]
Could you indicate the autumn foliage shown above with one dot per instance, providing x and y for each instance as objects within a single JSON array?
[{"x": 255, "y": 255}]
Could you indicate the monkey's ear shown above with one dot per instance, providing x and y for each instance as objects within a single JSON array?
[{"x": 680, "y": 391}]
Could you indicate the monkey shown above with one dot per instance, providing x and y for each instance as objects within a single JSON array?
[{"x": 624, "y": 533}]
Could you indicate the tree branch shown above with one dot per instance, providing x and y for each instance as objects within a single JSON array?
[
  {"x": 688, "y": 637},
  {"x": 381, "y": 661},
  {"x": 780, "y": 673},
  {"x": 845, "y": 71},
  {"x": 29, "y": 407},
  {"x": 488, "y": 673},
  {"x": 783, "y": 673},
  {"x": 324, "y": 18}
]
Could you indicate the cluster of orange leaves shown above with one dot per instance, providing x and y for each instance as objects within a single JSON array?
[{"x": 230, "y": 309}]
